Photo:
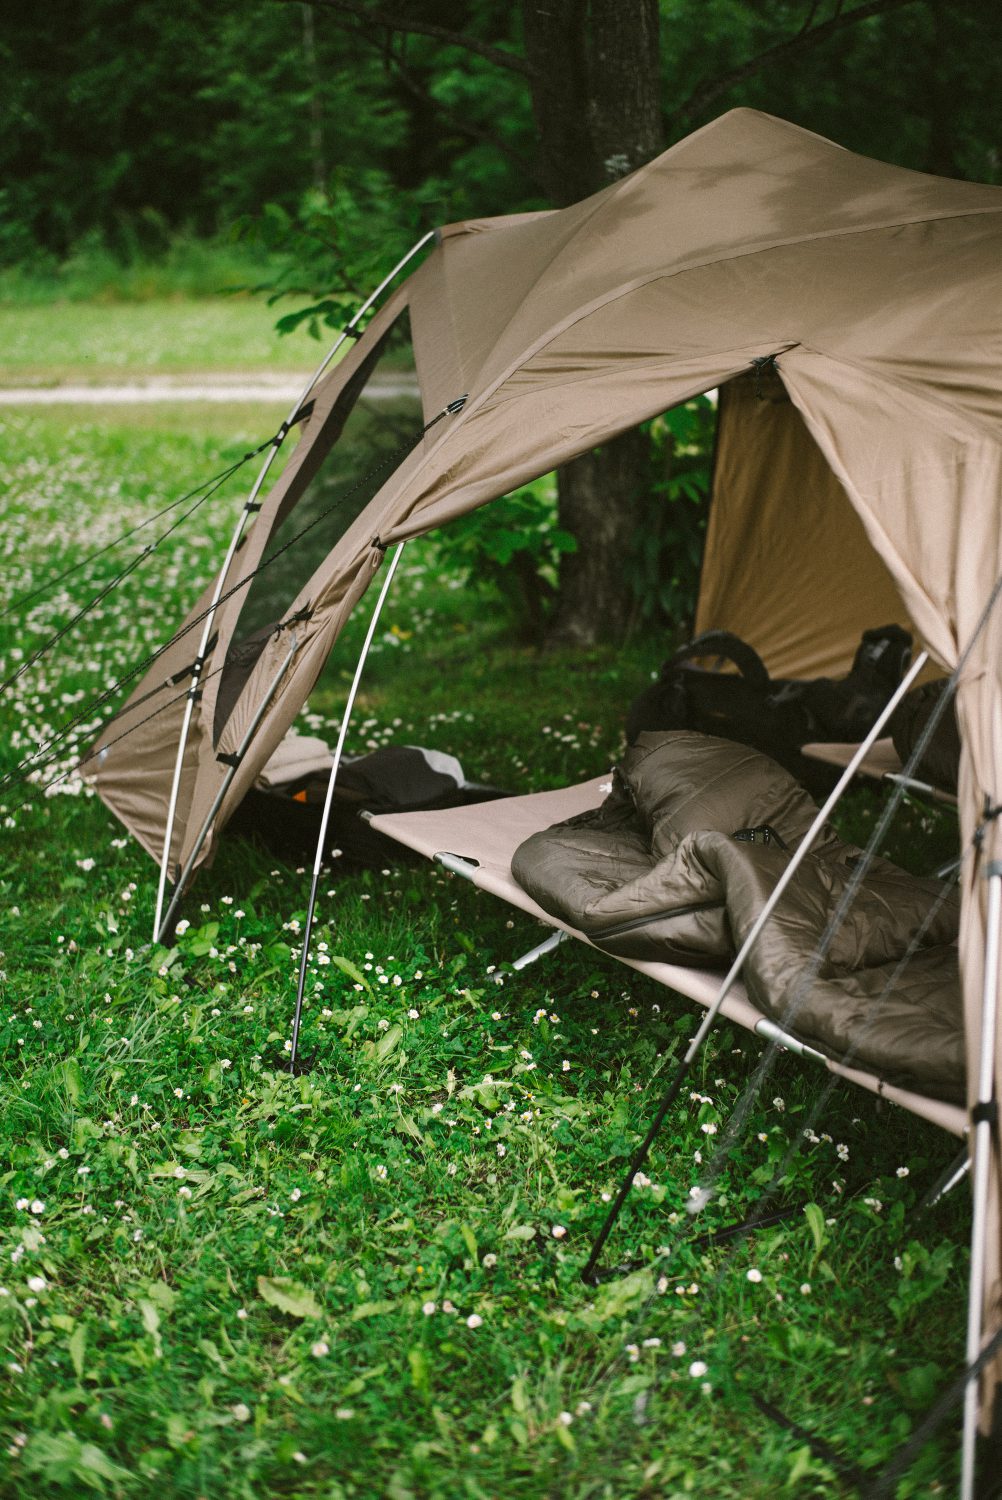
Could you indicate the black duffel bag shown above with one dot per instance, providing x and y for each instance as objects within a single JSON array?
[{"x": 774, "y": 715}]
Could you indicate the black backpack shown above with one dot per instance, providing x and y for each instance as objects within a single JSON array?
[{"x": 774, "y": 715}]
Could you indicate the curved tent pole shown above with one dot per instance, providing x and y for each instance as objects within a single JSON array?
[
  {"x": 250, "y": 506},
  {"x": 984, "y": 1116},
  {"x": 177, "y": 895},
  {"x": 328, "y": 802}
]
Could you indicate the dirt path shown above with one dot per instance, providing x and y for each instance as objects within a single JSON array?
[{"x": 251, "y": 386}]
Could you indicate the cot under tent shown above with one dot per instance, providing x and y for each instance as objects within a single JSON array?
[
  {"x": 848, "y": 313},
  {"x": 477, "y": 845}
]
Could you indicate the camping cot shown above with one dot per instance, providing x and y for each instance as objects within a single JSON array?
[{"x": 849, "y": 314}]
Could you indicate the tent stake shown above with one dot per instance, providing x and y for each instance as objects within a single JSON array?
[
  {"x": 984, "y": 1114},
  {"x": 249, "y": 509},
  {"x": 182, "y": 880},
  {"x": 328, "y": 802},
  {"x": 698, "y": 1201}
]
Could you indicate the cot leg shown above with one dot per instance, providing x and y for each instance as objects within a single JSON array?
[{"x": 546, "y": 946}]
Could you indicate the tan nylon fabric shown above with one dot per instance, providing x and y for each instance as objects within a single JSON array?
[
  {"x": 764, "y": 578},
  {"x": 878, "y": 288}
]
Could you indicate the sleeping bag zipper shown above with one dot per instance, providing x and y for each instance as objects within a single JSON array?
[{"x": 622, "y": 928}]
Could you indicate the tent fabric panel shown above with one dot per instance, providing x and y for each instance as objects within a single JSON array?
[
  {"x": 802, "y": 593},
  {"x": 317, "y": 438},
  {"x": 136, "y": 775},
  {"x": 131, "y": 762},
  {"x": 316, "y": 640},
  {"x": 743, "y": 186}
]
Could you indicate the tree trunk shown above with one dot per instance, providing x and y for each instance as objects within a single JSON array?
[{"x": 596, "y": 102}]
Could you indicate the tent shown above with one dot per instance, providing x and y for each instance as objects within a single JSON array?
[{"x": 755, "y": 258}]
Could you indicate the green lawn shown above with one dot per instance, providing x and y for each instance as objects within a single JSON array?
[
  {"x": 46, "y": 344},
  {"x": 218, "y": 1281}
]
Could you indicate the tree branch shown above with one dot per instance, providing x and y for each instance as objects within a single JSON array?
[
  {"x": 808, "y": 36},
  {"x": 461, "y": 126},
  {"x": 406, "y": 26}
]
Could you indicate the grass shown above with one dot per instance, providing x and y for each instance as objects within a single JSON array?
[
  {"x": 46, "y": 345},
  {"x": 365, "y": 1281}
]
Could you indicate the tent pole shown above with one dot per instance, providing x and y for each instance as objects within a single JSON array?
[
  {"x": 328, "y": 802},
  {"x": 182, "y": 880},
  {"x": 249, "y": 508},
  {"x": 984, "y": 1117},
  {"x": 698, "y": 1200}
]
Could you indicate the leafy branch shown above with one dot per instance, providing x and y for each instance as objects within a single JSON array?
[
  {"x": 808, "y": 36},
  {"x": 409, "y": 26}
]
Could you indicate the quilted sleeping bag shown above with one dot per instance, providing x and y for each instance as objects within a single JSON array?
[{"x": 677, "y": 863}]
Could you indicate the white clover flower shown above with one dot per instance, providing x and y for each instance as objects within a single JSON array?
[
  {"x": 558, "y": 1231},
  {"x": 708, "y": 1127},
  {"x": 296, "y": 1194},
  {"x": 902, "y": 1172},
  {"x": 184, "y": 1192},
  {"x": 490, "y": 1259},
  {"x": 565, "y": 1419},
  {"x": 678, "y": 1349},
  {"x": 241, "y": 1411},
  {"x": 179, "y": 1172},
  {"x": 698, "y": 1369},
  {"x": 242, "y": 1313},
  {"x": 381, "y": 1173},
  {"x": 37, "y": 1206},
  {"x": 805, "y": 1287},
  {"x": 37, "y": 1283},
  {"x": 427, "y": 1308},
  {"x": 21, "y": 1204},
  {"x": 474, "y": 1320},
  {"x": 754, "y": 1274},
  {"x": 319, "y": 1349}
]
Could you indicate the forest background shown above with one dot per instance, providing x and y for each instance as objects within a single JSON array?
[{"x": 327, "y": 137}]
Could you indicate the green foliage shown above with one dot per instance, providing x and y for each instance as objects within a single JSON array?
[
  {"x": 665, "y": 565},
  {"x": 514, "y": 545},
  {"x": 338, "y": 244}
]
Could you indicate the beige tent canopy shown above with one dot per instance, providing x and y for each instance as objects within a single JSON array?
[{"x": 864, "y": 488}]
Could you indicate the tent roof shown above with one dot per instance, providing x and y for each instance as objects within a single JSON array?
[{"x": 746, "y": 189}]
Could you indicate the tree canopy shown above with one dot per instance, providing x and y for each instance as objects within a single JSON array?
[{"x": 129, "y": 121}]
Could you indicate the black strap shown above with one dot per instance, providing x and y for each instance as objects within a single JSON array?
[{"x": 723, "y": 643}]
